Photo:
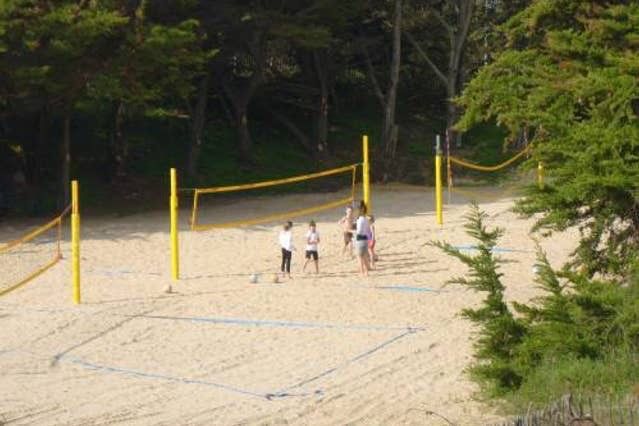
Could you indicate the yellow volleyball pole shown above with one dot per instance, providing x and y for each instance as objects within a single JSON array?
[
  {"x": 540, "y": 175},
  {"x": 173, "y": 204},
  {"x": 75, "y": 241},
  {"x": 438, "y": 183},
  {"x": 366, "y": 174}
]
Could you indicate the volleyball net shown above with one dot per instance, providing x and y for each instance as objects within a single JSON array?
[
  {"x": 316, "y": 192},
  {"x": 341, "y": 181},
  {"x": 487, "y": 183},
  {"x": 28, "y": 256}
]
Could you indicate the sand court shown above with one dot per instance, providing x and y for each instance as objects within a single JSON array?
[{"x": 332, "y": 348}]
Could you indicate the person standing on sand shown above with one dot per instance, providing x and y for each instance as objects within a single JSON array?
[
  {"x": 347, "y": 230},
  {"x": 371, "y": 242},
  {"x": 363, "y": 230},
  {"x": 286, "y": 243},
  {"x": 312, "y": 241}
]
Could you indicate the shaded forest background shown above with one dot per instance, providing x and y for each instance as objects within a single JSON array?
[{"x": 115, "y": 92}]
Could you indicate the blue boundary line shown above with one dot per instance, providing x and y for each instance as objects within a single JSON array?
[
  {"x": 409, "y": 288},
  {"x": 273, "y": 323},
  {"x": 283, "y": 393},
  {"x": 495, "y": 249},
  {"x": 137, "y": 373}
]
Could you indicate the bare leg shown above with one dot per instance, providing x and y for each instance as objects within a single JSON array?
[
  {"x": 363, "y": 265},
  {"x": 316, "y": 266},
  {"x": 371, "y": 256}
]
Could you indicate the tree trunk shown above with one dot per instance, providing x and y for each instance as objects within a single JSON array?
[
  {"x": 452, "y": 114},
  {"x": 245, "y": 143},
  {"x": 457, "y": 41},
  {"x": 35, "y": 161},
  {"x": 389, "y": 128},
  {"x": 65, "y": 152},
  {"x": 304, "y": 140},
  {"x": 197, "y": 127},
  {"x": 322, "y": 113},
  {"x": 120, "y": 144}
]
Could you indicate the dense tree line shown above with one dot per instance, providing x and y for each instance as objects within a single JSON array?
[{"x": 112, "y": 64}]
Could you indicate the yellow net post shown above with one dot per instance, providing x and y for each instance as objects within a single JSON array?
[
  {"x": 540, "y": 175},
  {"x": 438, "y": 183},
  {"x": 173, "y": 205},
  {"x": 366, "y": 174},
  {"x": 75, "y": 241}
]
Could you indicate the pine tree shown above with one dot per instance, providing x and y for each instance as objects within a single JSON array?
[
  {"x": 570, "y": 78},
  {"x": 500, "y": 332}
]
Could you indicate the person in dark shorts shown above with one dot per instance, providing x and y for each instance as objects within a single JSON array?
[
  {"x": 286, "y": 243},
  {"x": 347, "y": 223},
  {"x": 312, "y": 242}
]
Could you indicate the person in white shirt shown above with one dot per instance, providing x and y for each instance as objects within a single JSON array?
[
  {"x": 312, "y": 240},
  {"x": 286, "y": 243},
  {"x": 363, "y": 231}
]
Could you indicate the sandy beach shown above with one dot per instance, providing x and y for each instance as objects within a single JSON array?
[{"x": 332, "y": 348}]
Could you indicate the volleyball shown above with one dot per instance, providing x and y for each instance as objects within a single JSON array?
[
  {"x": 253, "y": 279},
  {"x": 276, "y": 278},
  {"x": 168, "y": 289}
]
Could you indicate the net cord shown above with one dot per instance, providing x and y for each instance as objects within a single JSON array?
[
  {"x": 267, "y": 183},
  {"x": 57, "y": 222},
  {"x": 197, "y": 191},
  {"x": 481, "y": 168},
  {"x": 32, "y": 276},
  {"x": 274, "y": 217},
  {"x": 36, "y": 232}
]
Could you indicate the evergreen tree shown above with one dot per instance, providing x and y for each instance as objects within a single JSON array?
[
  {"x": 500, "y": 333},
  {"x": 569, "y": 78}
]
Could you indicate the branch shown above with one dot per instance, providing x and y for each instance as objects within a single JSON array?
[
  {"x": 424, "y": 55},
  {"x": 371, "y": 75},
  {"x": 449, "y": 28},
  {"x": 296, "y": 131},
  {"x": 466, "y": 16}
]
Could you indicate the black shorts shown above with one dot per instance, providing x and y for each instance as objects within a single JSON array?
[{"x": 312, "y": 253}]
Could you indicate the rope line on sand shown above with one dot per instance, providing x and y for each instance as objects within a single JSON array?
[
  {"x": 275, "y": 323},
  {"x": 137, "y": 373},
  {"x": 285, "y": 392},
  {"x": 408, "y": 288},
  {"x": 495, "y": 249}
]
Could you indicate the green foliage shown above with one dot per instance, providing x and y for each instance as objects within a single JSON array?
[
  {"x": 500, "y": 332},
  {"x": 614, "y": 375},
  {"x": 570, "y": 76},
  {"x": 577, "y": 322}
]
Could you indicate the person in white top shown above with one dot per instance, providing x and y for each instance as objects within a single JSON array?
[
  {"x": 286, "y": 243},
  {"x": 363, "y": 230},
  {"x": 312, "y": 241}
]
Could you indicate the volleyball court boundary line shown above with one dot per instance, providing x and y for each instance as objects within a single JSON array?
[{"x": 270, "y": 396}]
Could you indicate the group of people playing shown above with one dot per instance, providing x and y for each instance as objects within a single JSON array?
[{"x": 358, "y": 233}]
